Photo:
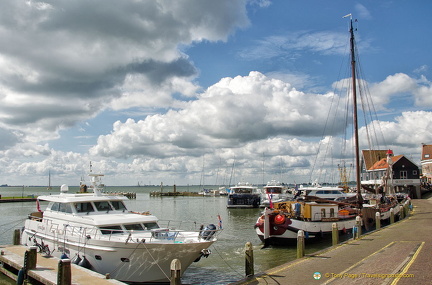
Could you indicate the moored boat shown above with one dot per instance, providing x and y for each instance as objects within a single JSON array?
[
  {"x": 273, "y": 192},
  {"x": 97, "y": 231},
  {"x": 315, "y": 219},
  {"x": 244, "y": 195}
]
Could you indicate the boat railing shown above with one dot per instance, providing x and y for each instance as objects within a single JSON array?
[{"x": 161, "y": 234}]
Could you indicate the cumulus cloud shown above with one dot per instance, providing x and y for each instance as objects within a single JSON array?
[
  {"x": 64, "y": 62},
  {"x": 230, "y": 113}
]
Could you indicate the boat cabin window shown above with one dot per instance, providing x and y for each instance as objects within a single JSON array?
[
  {"x": 65, "y": 208},
  {"x": 134, "y": 227},
  {"x": 150, "y": 226},
  {"x": 55, "y": 206},
  {"x": 275, "y": 190},
  {"x": 102, "y": 206},
  {"x": 108, "y": 230},
  {"x": 84, "y": 207},
  {"x": 243, "y": 190},
  {"x": 118, "y": 205},
  {"x": 61, "y": 207}
]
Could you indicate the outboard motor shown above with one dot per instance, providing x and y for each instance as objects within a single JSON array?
[{"x": 208, "y": 232}]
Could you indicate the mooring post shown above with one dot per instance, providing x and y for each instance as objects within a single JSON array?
[
  {"x": 391, "y": 215},
  {"x": 249, "y": 259},
  {"x": 359, "y": 226},
  {"x": 175, "y": 272},
  {"x": 17, "y": 237},
  {"x": 401, "y": 212},
  {"x": 64, "y": 274},
  {"x": 31, "y": 257},
  {"x": 378, "y": 220},
  {"x": 266, "y": 224},
  {"x": 300, "y": 244},
  {"x": 406, "y": 209},
  {"x": 335, "y": 234}
]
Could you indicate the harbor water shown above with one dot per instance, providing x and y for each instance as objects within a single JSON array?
[{"x": 226, "y": 264}]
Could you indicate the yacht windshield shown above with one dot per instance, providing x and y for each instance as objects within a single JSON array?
[
  {"x": 134, "y": 227},
  {"x": 84, "y": 207},
  {"x": 102, "y": 206},
  {"x": 118, "y": 205}
]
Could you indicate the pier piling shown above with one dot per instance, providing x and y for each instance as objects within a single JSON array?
[
  {"x": 378, "y": 220},
  {"x": 392, "y": 216},
  {"x": 249, "y": 259},
  {"x": 64, "y": 273},
  {"x": 335, "y": 234},
  {"x": 16, "y": 237},
  {"x": 175, "y": 272},
  {"x": 300, "y": 244}
]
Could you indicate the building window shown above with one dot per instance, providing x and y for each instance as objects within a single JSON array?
[
  {"x": 403, "y": 174},
  {"x": 414, "y": 172}
]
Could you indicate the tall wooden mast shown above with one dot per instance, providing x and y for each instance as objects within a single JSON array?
[{"x": 356, "y": 136}]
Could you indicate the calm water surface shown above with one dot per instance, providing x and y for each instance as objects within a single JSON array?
[{"x": 224, "y": 265}]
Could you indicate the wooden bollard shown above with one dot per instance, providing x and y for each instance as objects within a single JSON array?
[
  {"x": 175, "y": 272},
  {"x": 391, "y": 215},
  {"x": 64, "y": 274},
  {"x": 378, "y": 220},
  {"x": 335, "y": 234},
  {"x": 300, "y": 244},
  {"x": 31, "y": 257},
  {"x": 249, "y": 259},
  {"x": 17, "y": 237},
  {"x": 406, "y": 209},
  {"x": 401, "y": 212},
  {"x": 359, "y": 227}
]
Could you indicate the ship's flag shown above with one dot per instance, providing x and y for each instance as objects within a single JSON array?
[
  {"x": 270, "y": 199},
  {"x": 220, "y": 222},
  {"x": 38, "y": 205}
]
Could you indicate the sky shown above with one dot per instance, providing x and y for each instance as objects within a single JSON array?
[{"x": 193, "y": 92}]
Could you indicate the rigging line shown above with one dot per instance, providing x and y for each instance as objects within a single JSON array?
[
  {"x": 235, "y": 271},
  {"x": 16, "y": 223}
]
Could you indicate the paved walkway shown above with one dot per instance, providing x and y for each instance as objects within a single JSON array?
[{"x": 397, "y": 254}]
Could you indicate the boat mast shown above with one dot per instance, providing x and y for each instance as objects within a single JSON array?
[{"x": 354, "y": 94}]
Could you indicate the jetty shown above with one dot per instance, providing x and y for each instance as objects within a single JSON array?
[
  {"x": 46, "y": 270},
  {"x": 398, "y": 253}
]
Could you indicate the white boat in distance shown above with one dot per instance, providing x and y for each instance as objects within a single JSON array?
[
  {"x": 274, "y": 192},
  {"x": 326, "y": 192},
  {"x": 244, "y": 195},
  {"x": 96, "y": 231}
]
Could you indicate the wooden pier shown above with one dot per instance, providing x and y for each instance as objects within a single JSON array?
[{"x": 46, "y": 270}]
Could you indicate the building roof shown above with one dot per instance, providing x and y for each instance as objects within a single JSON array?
[
  {"x": 426, "y": 152},
  {"x": 382, "y": 163}
]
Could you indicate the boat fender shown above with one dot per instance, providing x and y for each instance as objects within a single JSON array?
[
  {"x": 279, "y": 219},
  {"x": 76, "y": 259},
  {"x": 64, "y": 256},
  {"x": 306, "y": 234},
  {"x": 85, "y": 263},
  {"x": 208, "y": 232},
  {"x": 20, "y": 276}
]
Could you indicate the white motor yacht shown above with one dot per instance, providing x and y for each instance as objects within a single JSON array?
[{"x": 97, "y": 231}]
